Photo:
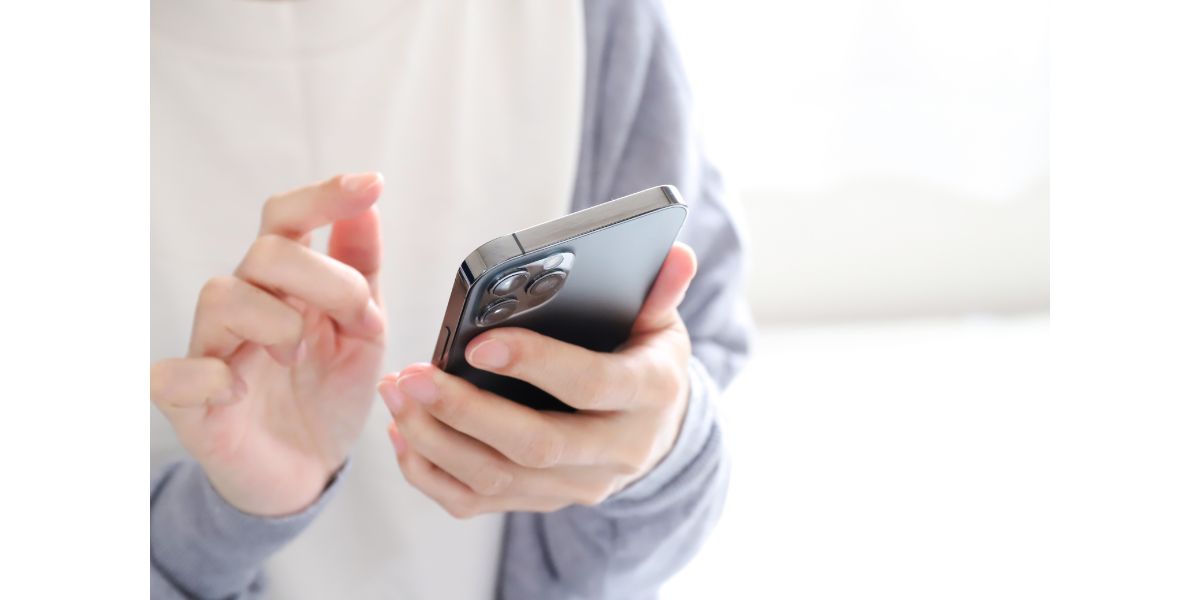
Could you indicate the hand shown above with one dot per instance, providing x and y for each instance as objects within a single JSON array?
[
  {"x": 276, "y": 385},
  {"x": 475, "y": 452}
]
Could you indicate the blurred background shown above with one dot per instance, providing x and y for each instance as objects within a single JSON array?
[{"x": 892, "y": 160}]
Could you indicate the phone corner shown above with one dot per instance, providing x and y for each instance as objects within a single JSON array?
[
  {"x": 672, "y": 195},
  {"x": 490, "y": 255}
]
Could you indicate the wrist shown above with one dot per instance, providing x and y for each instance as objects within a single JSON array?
[
  {"x": 205, "y": 544},
  {"x": 271, "y": 498}
]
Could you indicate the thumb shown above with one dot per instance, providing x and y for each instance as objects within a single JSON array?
[
  {"x": 658, "y": 311},
  {"x": 358, "y": 242}
]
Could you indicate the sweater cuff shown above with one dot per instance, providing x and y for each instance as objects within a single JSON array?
[
  {"x": 694, "y": 434},
  {"x": 205, "y": 546}
]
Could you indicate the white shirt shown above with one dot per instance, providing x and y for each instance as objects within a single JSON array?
[{"x": 471, "y": 110}]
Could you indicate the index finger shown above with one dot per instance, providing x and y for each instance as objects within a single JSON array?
[
  {"x": 293, "y": 214},
  {"x": 527, "y": 437},
  {"x": 579, "y": 377}
]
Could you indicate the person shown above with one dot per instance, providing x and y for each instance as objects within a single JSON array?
[{"x": 274, "y": 469}]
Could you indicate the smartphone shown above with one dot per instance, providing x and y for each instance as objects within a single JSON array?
[{"x": 581, "y": 279}]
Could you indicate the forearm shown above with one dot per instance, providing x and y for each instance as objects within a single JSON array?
[
  {"x": 637, "y": 134},
  {"x": 625, "y": 547},
  {"x": 202, "y": 547}
]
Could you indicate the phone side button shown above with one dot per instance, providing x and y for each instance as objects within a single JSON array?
[{"x": 443, "y": 340}]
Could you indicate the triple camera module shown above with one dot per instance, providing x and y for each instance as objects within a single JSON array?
[{"x": 524, "y": 288}]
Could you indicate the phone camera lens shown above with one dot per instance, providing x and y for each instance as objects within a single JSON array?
[
  {"x": 497, "y": 311},
  {"x": 510, "y": 283},
  {"x": 547, "y": 283}
]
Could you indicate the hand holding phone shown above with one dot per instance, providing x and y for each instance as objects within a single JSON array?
[
  {"x": 474, "y": 450},
  {"x": 581, "y": 279}
]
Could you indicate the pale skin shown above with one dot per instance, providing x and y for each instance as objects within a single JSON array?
[
  {"x": 278, "y": 378},
  {"x": 285, "y": 351}
]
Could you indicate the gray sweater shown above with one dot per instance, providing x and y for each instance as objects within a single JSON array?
[{"x": 637, "y": 133}]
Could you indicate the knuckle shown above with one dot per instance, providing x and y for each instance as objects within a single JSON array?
[
  {"x": 590, "y": 385},
  {"x": 285, "y": 324},
  {"x": 269, "y": 208},
  {"x": 645, "y": 375},
  {"x": 355, "y": 293},
  {"x": 292, "y": 327},
  {"x": 160, "y": 376},
  {"x": 617, "y": 381},
  {"x": 629, "y": 466},
  {"x": 350, "y": 292},
  {"x": 216, "y": 292},
  {"x": 407, "y": 469},
  {"x": 267, "y": 249},
  {"x": 670, "y": 382},
  {"x": 635, "y": 461},
  {"x": 490, "y": 480},
  {"x": 603, "y": 384},
  {"x": 272, "y": 202},
  {"x": 416, "y": 472},
  {"x": 524, "y": 351},
  {"x": 672, "y": 378},
  {"x": 661, "y": 382},
  {"x": 588, "y": 388},
  {"x": 595, "y": 494},
  {"x": 541, "y": 451},
  {"x": 417, "y": 436},
  {"x": 448, "y": 408},
  {"x": 530, "y": 353},
  {"x": 462, "y": 507},
  {"x": 335, "y": 183}
]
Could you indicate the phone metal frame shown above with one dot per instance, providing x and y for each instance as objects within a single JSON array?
[{"x": 503, "y": 249}]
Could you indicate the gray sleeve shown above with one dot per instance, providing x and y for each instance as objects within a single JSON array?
[
  {"x": 203, "y": 547},
  {"x": 637, "y": 133}
]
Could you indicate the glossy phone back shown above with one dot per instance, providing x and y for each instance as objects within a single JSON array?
[{"x": 581, "y": 279}]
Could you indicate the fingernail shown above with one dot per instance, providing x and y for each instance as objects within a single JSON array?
[
  {"x": 392, "y": 398},
  {"x": 397, "y": 440},
  {"x": 491, "y": 354},
  {"x": 419, "y": 387},
  {"x": 360, "y": 182}
]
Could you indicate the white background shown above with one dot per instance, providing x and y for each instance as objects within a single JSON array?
[
  {"x": 892, "y": 157},
  {"x": 1079, "y": 484},
  {"x": 881, "y": 460},
  {"x": 893, "y": 162}
]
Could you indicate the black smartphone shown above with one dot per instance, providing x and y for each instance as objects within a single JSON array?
[{"x": 581, "y": 279}]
